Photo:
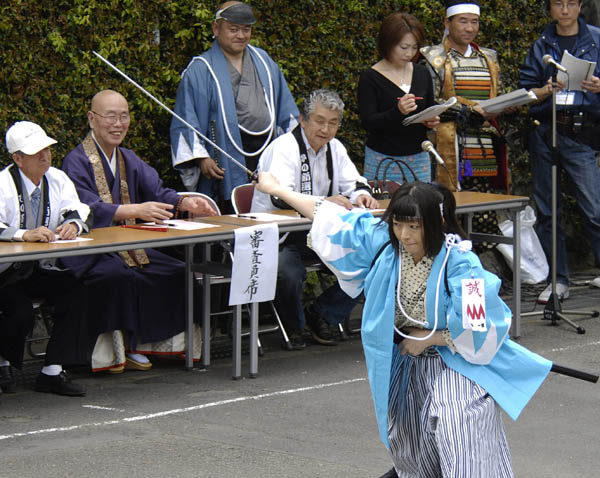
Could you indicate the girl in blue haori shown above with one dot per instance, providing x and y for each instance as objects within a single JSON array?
[{"x": 436, "y": 391}]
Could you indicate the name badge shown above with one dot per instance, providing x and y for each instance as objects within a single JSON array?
[
  {"x": 473, "y": 304},
  {"x": 565, "y": 97}
]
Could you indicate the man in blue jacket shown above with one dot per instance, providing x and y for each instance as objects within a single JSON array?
[
  {"x": 235, "y": 95},
  {"x": 578, "y": 128}
]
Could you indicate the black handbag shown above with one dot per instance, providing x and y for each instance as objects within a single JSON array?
[{"x": 382, "y": 188}]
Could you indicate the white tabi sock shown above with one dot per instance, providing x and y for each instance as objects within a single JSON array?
[
  {"x": 51, "y": 370},
  {"x": 4, "y": 362},
  {"x": 139, "y": 358}
]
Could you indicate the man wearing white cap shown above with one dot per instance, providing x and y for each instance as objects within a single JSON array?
[
  {"x": 463, "y": 69},
  {"x": 38, "y": 203},
  {"x": 234, "y": 94}
]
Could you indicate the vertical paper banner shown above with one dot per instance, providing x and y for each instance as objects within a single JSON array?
[{"x": 254, "y": 274}]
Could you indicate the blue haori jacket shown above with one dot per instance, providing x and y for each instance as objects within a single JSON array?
[
  {"x": 198, "y": 103},
  {"x": 348, "y": 241}
]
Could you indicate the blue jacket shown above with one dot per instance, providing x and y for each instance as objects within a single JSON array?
[
  {"x": 535, "y": 73},
  {"x": 198, "y": 103},
  {"x": 348, "y": 242}
]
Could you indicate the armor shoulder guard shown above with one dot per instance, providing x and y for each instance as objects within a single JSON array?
[
  {"x": 435, "y": 56},
  {"x": 491, "y": 54}
]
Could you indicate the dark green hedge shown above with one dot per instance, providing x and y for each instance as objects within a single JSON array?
[{"x": 49, "y": 75}]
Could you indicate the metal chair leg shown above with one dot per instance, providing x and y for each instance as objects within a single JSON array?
[{"x": 286, "y": 339}]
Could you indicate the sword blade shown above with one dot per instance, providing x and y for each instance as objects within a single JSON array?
[{"x": 165, "y": 107}]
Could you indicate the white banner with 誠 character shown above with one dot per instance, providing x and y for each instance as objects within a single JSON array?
[{"x": 254, "y": 274}]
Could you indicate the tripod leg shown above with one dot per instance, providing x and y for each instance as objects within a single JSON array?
[
  {"x": 580, "y": 330},
  {"x": 553, "y": 312}
]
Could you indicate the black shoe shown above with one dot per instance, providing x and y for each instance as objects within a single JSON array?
[
  {"x": 296, "y": 343},
  {"x": 7, "y": 382},
  {"x": 60, "y": 384},
  {"x": 319, "y": 328},
  {"x": 390, "y": 474}
]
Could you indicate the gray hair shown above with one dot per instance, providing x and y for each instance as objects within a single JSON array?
[{"x": 328, "y": 98}]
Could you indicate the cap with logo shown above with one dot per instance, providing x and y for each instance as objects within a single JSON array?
[{"x": 27, "y": 137}]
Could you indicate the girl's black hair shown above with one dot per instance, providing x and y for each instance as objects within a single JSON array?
[
  {"x": 421, "y": 202},
  {"x": 451, "y": 224}
]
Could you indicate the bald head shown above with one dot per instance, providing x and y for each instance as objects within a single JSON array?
[
  {"x": 106, "y": 95},
  {"x": 109, "y": 119}
]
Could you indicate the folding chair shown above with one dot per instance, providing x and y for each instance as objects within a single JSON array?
[
  {"x": 40, "y": 333},
  {"x": 42, "y": 324},
  {"x": 241, "y": 198}
]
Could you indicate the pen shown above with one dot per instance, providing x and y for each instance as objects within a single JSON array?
[
  {"x": 246, "y": 216},
  {"x": 146, "y": 228},
  {"x": 415, "y": 98}
]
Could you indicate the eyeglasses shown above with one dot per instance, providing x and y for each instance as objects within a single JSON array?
[
  {"x": 112, "y": 117},
  {"x": 321, "y": 123},
  {"x": 560, "y": 5}
]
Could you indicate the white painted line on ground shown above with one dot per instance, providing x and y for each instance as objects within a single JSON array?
[
  {"x": 569, "y": 347},
  {"x": 98, "y": 407},
  {"x": 180, "y": 410}
]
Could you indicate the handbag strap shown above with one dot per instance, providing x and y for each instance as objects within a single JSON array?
[
  {"x": 377, "y": 185},
  {"x": 400, "y": 163}
]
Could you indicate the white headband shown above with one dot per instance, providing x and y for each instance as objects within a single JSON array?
[{"x": 463, "y": 8}]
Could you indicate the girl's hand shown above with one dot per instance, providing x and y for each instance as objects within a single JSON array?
[
  {"x": 416, "y": 347},
  {"x": 267, "y": 183}
]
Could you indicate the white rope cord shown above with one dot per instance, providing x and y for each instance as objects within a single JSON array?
[
  {"x": 450, "y": 242},
  {"x": 270, "y": 108}
]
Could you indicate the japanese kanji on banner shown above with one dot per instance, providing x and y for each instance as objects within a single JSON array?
[
  {"x": 254, "y": 274},
  {"x": 473, "y": 304}
]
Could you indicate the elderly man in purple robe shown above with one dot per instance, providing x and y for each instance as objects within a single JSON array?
[{"x": 135, "y": 297}]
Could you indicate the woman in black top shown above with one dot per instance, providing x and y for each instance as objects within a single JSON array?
[{"x": 392, "y": 89}]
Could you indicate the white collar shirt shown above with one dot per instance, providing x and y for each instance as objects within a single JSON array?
[{"x": 282, "y": 159}]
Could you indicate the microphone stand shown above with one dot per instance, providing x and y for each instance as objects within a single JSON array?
[{"x": 552, "y": 310}]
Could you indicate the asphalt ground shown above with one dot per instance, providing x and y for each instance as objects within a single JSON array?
[{"x": 308, "y": 414}]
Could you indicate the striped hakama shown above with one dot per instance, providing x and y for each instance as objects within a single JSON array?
[{"x": 441, "y": 424}]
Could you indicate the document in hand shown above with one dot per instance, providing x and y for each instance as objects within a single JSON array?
[
  {"x": 429, "y": 113},
  {"x": 514, "y": 98},
  {"x": 577, "y": 71}
]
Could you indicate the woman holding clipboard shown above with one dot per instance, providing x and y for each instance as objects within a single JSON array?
[{"x": 392, "y": 89}]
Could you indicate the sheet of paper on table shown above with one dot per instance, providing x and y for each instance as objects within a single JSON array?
[
  {"x": 66, "y": 241},
  {"x": 183, "y": 225},
  {"x": 267, "y": 217}
]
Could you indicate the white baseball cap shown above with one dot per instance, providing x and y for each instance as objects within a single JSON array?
[{"x": 27, "y": 137}]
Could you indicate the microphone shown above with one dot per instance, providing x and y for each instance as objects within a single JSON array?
[
  {"x": 548, "y": 60},
  {"x": 428, "y": 147}
]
